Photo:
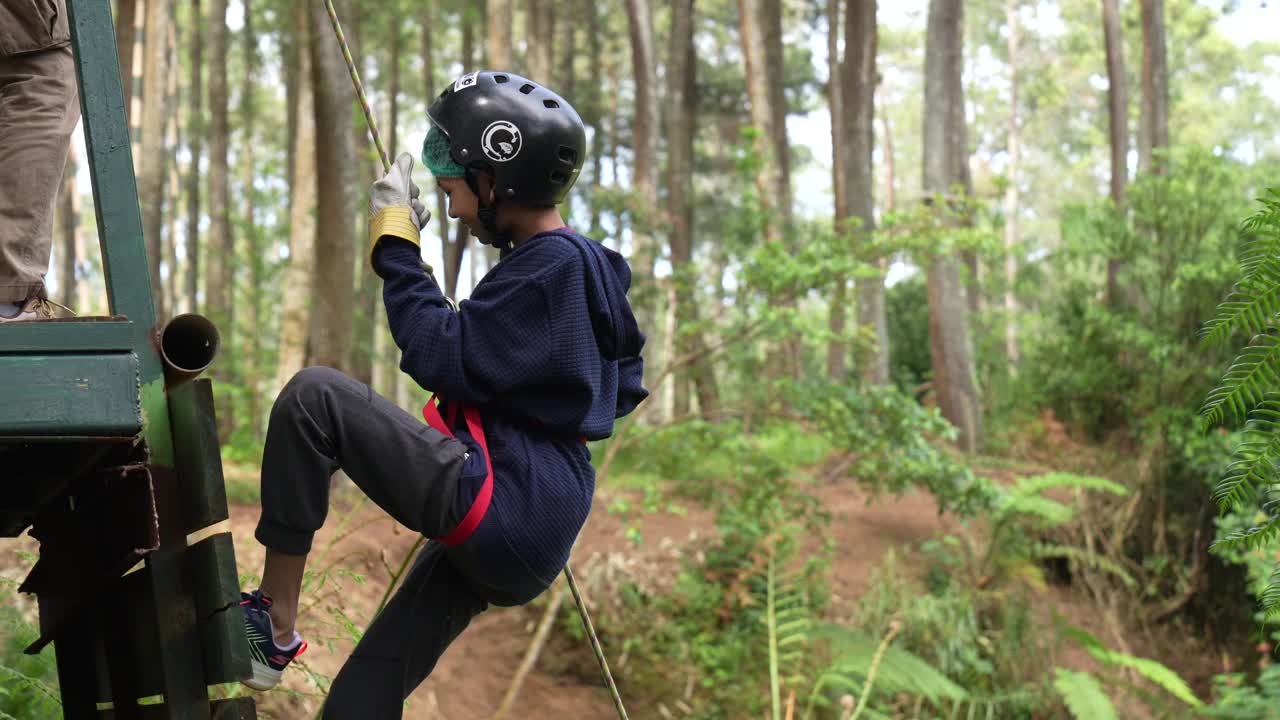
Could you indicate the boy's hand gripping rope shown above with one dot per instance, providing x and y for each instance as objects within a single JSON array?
[{"x": 386, "y": 166}]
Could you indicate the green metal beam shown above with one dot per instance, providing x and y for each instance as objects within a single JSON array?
[
  {"x": 69, "y": 395},
  {"x": 106, "y": 135}
]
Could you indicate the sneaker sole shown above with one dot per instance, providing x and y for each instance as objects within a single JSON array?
[{"x": 264, "y": 678}]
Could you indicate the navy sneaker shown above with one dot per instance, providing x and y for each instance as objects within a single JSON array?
[{"x": 268, "y": 659}]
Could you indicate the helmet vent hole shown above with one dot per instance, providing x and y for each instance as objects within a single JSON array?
[
  {"x": 558, "y": 177},
  {"x": 526, "y": 88},
  {"x": 444, "y": 92},
  {"x": 550, "y": 104},
  {"x": 501, "y": 78},
  {"x": 568, "y": 155}
]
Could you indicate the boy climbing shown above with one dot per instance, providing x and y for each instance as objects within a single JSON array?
[{"x": 543, "y": 356}]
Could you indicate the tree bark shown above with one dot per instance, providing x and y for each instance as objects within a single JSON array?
[
  {"x": 1011, "y": 206},
  {"x": 294, "y": 315},
  {"x": 126, "y": 35},
  {"x": 682, "y": 65},
  {"x": 151, "y": 180},
  {"x": 858, "y": 144},
  {"x": 335, "y": 162},
  {"x": 195, "y": 139},
  {"x": 173, "y": 191},
  {"x": 255, "y": 251},
  {"x": 945, "y": 160},
  {"x": 1155, "y": 87},
  {"x": 751, "y": 28},
  {"x": 498, "y": 45},
  {"x": 218, "y": 276},
  {"x": 1118, "y": 125},
  {"x": 644, "y": 199},
  {"x": 838, "y": 310},
  {"x": 540, "y": 39}
]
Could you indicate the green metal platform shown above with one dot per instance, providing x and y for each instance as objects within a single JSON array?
[{"x": 115, "y": 467}]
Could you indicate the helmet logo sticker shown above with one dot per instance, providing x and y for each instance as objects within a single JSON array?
[
  {"x": 466, "y": 81},
  {"x": 501, "y": 141}
]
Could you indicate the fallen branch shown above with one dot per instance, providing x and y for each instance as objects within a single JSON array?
[{"x": 531, "y": 654}]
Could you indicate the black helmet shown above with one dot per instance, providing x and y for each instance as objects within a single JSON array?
[{"x": 528, "y": 137}]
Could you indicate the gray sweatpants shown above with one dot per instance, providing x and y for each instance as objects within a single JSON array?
[
  {"x": 39, "y": 107},
  {"x": 322, "y": 421}
]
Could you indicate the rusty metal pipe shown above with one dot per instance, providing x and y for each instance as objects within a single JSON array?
[{"x": 188, "y": 344}]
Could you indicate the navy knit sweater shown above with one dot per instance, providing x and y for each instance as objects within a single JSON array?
[{"x": 548, "y": 349}]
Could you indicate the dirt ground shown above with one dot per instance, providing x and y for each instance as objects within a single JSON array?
[{"x": 473, "y": 676}]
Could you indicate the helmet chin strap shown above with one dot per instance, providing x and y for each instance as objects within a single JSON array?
[{"x": 488, "y": 215}]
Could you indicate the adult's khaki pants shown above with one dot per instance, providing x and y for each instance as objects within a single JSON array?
[{"x": 39, "y": 107}]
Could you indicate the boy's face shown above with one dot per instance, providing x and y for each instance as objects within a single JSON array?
[{"x": 463, "y": 204}]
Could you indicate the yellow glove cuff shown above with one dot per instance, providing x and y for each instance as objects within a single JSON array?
[{"x": 394, "y": 221}]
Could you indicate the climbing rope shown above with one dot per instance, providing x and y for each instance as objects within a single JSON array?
[
  {"x": 595, "y": 643},
  {"x": 386, "y": 166},
  {"x": 355, "y": 80}
]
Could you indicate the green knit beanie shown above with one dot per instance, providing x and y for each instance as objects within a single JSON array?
[{"x": 435, "y": 155}]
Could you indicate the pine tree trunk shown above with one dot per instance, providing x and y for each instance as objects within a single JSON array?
[
  {"x": 126, "y": 34},
  {"x": 682, "y": 65},
  {"x": 1118, "y": 125},
  {"x": 368, "y": 167},
  {"x": 1155, "y": 88},
  {"x": 254, "y": 250},
  {"x": 173, "y": 193},
  {"x": 1011, "y": 207},
  {"x": 453, "y": 251},
  {"x": 858, "y": 126},
  {"x": 333, "y": 298},
  {"x": 218, "y": 270},
  {"x": 644, "y": 144},
  {"x": 945, "y": 160},
  {"x": 295, "y": 310},
  {"x": 151, "y": 180},
  {"x": 540, "y": 40},
  {"x": 838, "y": 309},
  {"x": 498, "y": 44},
  {"x": 195, "y": 135}
]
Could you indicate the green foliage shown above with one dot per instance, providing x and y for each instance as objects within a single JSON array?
[
  {"x": 1083, "y": 696},
  {"x": 890, "y": 439},
  {"x": 1250, "y": 389},
  {"x": 1238, "y": 699},
  {"x": 1155, "y": 672},
  {"x": 906, "y": 303},
  {"x": 28, "y": 683}
]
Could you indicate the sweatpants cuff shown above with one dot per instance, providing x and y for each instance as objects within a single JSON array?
[{"x": 283, "y": 539}]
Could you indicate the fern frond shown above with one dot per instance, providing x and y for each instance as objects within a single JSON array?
[
  {"x": 1253, "y": 303},
  {"x": 1152, "y": 670},
  {"x": 900, "y": 671},
  {"x": 1083, "y": 696},
  {"x": 1254, "y": 373},
  {"x": 1250, "y": 538},
  {"x": 1050, "y": 513},
  {"x": 1084, "y": 558},
  {"x": 1270, "y": 598},
  {"x": 1256, "y": 460}
]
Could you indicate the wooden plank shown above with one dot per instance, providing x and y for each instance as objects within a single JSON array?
[
  {"x": 197, "y": 457},
  {"x": 73, "y": 394},
  {"x": 211, "y": 564},
  {"x": 76, "y": 336}
]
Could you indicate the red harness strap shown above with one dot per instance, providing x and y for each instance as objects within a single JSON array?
[{"x": 480, "y": 506}]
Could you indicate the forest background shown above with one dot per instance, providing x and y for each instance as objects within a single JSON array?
[{"x": 935, "y": 428}]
